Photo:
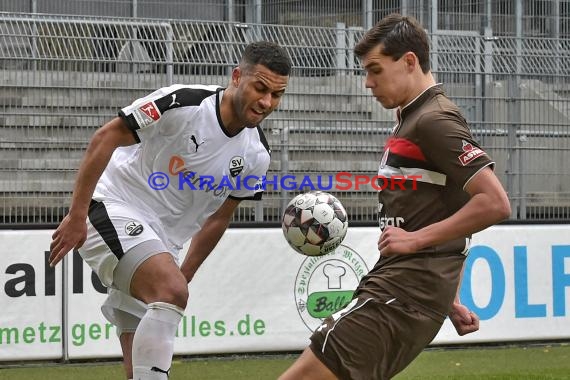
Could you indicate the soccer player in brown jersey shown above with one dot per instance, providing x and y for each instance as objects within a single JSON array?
[{"x": 399, "y": 307}]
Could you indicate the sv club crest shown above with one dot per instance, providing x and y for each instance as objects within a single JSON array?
[{"x": 236, "y": 165}]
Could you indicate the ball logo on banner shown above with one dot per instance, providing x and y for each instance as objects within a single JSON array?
[{"x": 325, "y": 284}]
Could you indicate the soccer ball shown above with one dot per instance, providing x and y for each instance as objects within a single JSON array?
[{"x": 314, "y": 223}]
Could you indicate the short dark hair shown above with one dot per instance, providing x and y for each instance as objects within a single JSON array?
[
  {"x": 268, "y": 54},
  {"x": 399, "y": 34}
]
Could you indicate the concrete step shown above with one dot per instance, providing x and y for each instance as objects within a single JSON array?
[
  {"x": 279, "y": 130},
  {"x": 40, "y": 164},
  {"x": 47, "y": 132},
  {"x": 45, "y": 200},
  {"x": 544, "y": 198},
  {"x": 36, "y": 186},
  {"x": 36, "y": 181},
  {"x": 126, "y": 80},
  {"x": 111, "y": 105},
  {"x": 41, "y": 145},
  {"x": 40, "y": 117},
  {"x": 331, "y": 112},
  {"x": 324, "y": 102},
  {"x": 46, "y": 98},
  {"x": 91, "y": 80},
  {"x": 58, "y": 153}
]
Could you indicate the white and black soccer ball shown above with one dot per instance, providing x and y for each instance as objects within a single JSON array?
[{"x": 314, "y": 223}]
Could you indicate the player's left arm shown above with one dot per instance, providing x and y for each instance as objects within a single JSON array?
[
  {"x": 464, "y": 320},
  {"x": 207, "y": 238},
  {"x": 488, "y": 205}
]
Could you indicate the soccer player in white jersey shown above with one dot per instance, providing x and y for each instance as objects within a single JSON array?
[{"x": 169, "y": 168}]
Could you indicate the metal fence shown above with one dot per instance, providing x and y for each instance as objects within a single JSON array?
[
  {"x": 531, "y": 18},
  {"x": 64, "y": 76}
]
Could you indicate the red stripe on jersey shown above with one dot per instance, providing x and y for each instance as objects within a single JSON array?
[{"x": 405, "y": 148}]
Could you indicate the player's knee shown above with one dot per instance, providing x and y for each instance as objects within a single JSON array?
[
  {"x": 181, "y": 295},
  {"x": 174, "y": 292}
]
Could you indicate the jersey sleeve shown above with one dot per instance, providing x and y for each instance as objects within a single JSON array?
[
  {"x": 446, "y": 141},
  {"x": 147, "y": 115}
]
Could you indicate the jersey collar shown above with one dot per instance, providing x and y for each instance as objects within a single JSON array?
[
  {"x": 219, "y": 96},
  {"x": 428, "y": 93}
]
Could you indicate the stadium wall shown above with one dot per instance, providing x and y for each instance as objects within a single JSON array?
[{"x": 254, "y": 294}]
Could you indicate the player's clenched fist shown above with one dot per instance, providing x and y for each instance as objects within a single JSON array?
[{"x": 464, "y": 320}]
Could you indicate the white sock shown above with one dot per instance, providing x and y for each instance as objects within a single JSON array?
[
  {"x": 153, "y": 343},
  {"x": 143, "y": 373}
]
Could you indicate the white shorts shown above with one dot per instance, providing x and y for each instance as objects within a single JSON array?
[{"x": 119, "y": 239}]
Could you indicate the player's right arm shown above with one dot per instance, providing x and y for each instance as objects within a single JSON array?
[{"x": 72, "y": 231}]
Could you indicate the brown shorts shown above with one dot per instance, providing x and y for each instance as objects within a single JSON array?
[{"x": 372, "y": 339}]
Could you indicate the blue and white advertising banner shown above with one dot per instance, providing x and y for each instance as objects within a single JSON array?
[
  {"x": 517, "y": 279},
  {"x": 254, "y": 293}
]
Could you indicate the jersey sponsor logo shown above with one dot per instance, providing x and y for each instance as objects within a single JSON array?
[
  {"x": 193, "y": 139},
  {"x": 133, "y": 228},
  {"x": 469, "y": 153},
  {"x": 176, "y": 165},
  {"x": 386, "y": 221},
  {"x": 236, "y": 165},
  {"x": 146, "y": 114},
  {"x": 325, "y": 284},
  {"x": 174, "y": 103},
  {"x": 194, "y": 181}
]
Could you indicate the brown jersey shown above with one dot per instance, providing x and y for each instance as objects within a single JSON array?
[{"x": 426, "y": 164}]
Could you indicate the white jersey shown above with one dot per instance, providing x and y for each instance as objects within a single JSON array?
[{"x": 186, "y": 164}]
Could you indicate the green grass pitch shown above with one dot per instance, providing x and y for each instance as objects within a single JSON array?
[{"x": 533, "y": 362}]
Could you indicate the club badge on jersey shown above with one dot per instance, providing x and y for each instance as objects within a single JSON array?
[{"x": 236, "y": 165}]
